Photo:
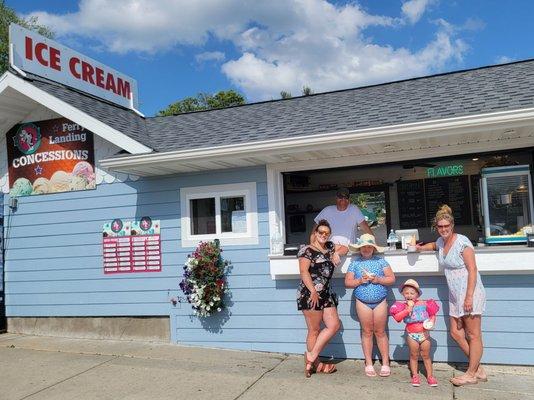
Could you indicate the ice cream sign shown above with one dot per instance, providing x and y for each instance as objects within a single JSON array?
[
  {"x": 50, "y": 156},
  {"x": 44, "y": 57}
]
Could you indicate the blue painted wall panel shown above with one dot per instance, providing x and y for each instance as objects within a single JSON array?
[
  {"x": 264, "y": 317},
  {"x": 54, "y": 247},
  {"x": 54, "y": 268}
]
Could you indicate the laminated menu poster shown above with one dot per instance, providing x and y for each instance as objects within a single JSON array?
[
  {"x": 52, "y": 156},
  {"x": 411, "y": 199},
  {"x": 453, "y": 191},
  {"x": 131, "y": 246}
]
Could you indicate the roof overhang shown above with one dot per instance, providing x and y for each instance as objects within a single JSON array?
[
  {"x": 436, "y": 138},
  {"x": 18, "y": 98}
]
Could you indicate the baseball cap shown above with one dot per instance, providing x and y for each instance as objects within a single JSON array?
[{"x": 343, "y": 192}]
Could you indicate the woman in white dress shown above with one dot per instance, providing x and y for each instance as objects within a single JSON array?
[{"x": 467, "y": 297}]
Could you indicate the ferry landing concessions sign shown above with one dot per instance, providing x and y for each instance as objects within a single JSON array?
[
  {"x": 44, "y": 57},
  {"x": 50, "y": 156}
]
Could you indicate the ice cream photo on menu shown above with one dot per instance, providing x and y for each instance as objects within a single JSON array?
[{"x": 51, "y": 156}]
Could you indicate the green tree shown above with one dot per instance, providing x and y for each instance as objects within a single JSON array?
[
  {"x": 204, "y": 101},
  {"x": 7, "y": 16},
  {"x": 306, "y": 91},
  {"x": 285, "y": 95}
]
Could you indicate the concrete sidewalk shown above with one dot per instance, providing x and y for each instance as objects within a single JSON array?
[{"x": 36, "y": 367}]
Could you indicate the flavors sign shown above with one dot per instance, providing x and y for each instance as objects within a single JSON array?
[
  {"x": 50, "y": 156},
  {"x": 44, "y": 57}
]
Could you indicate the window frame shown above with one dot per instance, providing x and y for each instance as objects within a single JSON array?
[{"x": 245, "y": 189}]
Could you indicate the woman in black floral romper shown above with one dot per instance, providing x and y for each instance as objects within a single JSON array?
[{"x": 314, "y": 298}]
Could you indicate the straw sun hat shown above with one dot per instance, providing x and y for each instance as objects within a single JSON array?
[
  {"x": 365, "y": 240},
  {"x": 412, "y": 283}
]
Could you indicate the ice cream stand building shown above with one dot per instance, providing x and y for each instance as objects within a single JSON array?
[{"x": 83, "y": 171}]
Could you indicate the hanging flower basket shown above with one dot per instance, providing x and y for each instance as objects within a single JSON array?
[{"x": 204, "y": 281}]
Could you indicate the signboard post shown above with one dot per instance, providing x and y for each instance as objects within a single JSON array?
[{"x": 44, "y": 57}]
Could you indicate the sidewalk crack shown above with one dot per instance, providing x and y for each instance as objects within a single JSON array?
[
  {"x": 68, "y": 378},
  {"x": 286, "y": 356}
]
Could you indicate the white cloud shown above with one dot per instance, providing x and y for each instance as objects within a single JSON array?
[
  {"x": 281, "y": 44},
  {"x": 504, "y": 60},
  {"x": 413, "y": 10},
  {"x": 210, "y": 56}
]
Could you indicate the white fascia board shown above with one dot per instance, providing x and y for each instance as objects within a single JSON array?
[
  {"x": 417, "y": 130},
  {"x": 53, "y": 103}
]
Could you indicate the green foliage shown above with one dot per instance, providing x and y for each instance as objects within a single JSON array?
[
  {"x": 306, "y": 91},
  {"x": 204, "y": 101},
  {"x": 7, "y": 16},
  {"x": 285, "y": 95}
]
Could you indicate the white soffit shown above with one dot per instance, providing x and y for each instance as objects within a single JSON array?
[
  {"x": 479, "y": 133},
  {"x": 19, "y": 97}
]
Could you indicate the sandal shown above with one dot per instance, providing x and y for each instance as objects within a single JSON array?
[
  {"x": 481, "y": 375},
  {"x": 324, "y": 368},
  {"x": 308, "y": 366},
  {"x": 385, "y": 371},
  {"x": 370, "y": 371},
  {"x": 463, "y": 380}
]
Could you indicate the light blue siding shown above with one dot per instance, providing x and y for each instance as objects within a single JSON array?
[
  {"x": 54, "y": 247},
  {"x": 263, "y": 317},
  {"x": 2, "y": 297},
  {"x": 54, "y": 268}
]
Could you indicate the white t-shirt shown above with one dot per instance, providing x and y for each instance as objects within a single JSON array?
[{"x": 343, "y": 223}]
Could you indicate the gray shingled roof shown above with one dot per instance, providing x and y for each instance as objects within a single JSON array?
[
  {"x": 471, "y": 92},
  {"x": 119, "y": 118}
]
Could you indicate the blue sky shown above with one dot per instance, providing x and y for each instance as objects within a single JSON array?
[{"x": 177, "y": 48}]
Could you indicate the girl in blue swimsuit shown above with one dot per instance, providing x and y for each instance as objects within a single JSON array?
[{"x": 370, "y": 275}]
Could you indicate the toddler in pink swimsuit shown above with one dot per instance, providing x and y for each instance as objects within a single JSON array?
[{"x": 419, "y": 317}]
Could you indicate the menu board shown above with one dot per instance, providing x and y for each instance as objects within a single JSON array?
[
  {"x": 131, "y": 246},
  {"x": 453, "y": 191},
  {"x": 411, "y": 200}
]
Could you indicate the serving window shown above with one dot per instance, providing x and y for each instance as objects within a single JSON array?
[{"x": 396, "y": 195}]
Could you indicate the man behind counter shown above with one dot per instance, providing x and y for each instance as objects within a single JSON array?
[{"x": 343, "y": 219}]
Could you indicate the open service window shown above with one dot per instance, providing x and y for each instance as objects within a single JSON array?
[{"x": 224, "y": 212}]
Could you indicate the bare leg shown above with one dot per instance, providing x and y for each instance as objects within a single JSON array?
[
  {"x": 457, "y": 332},
  {"x": 332, "y": 325},
  {"x": 425, "y": 355},
  {"x": 413, "y": 345},
  {"x": 474, "y": 337},
  {"x": 380, "y": 318},
  {"x": 365, "y": 315},
  {"x": 313, "y": 322}
]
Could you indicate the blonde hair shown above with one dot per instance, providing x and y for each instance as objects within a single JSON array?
[{"x": 444, "y": 212}]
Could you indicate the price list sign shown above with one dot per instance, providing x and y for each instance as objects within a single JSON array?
[{"x": 132, "y": 246}]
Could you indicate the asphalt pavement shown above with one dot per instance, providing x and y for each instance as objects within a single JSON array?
[{"x": 39, "y": 368}]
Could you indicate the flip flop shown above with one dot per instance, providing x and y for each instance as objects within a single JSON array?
[
  {"x": 308, "y": 366},
  {"x": 481, "y": 375},
  {"x": 370, "y": 371},
  {"x": 463, "y": 380},
  {"x": 324, "y": 368},
  {"x": 385, "y": 371}
]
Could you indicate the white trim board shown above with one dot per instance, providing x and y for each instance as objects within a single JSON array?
[
  {"x": 386, "y": 134},
  {"x": 490, "y": 261},
  {"x": 68, "y": 111}
]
